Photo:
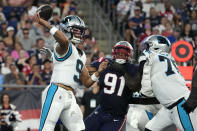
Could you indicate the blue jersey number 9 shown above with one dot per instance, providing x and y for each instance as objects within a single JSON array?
[{"x": 79, "y": 67}]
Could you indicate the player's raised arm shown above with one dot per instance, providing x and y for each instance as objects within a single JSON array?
[
  {"x": 88, "y": 80},
  {"x": 57, "y": 34},
  {"x": 191, "y": 102}
]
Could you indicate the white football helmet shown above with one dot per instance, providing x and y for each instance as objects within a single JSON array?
[
  {"x": 157, "y": 44},
  {"x": 68, "y": 26}
]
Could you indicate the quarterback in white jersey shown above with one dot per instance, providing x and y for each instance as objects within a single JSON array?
[
  {"x": 162, "y": 78},
  {"x": 58, "y": 100}
]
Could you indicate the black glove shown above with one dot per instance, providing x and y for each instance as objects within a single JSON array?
[
  {"x": 189, "y": 106},
  {"x": 121, "y": 68},
  {"x": 12, "y": 117}
]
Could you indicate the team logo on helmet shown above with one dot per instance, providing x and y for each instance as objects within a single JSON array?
[{"x": 74, "y": 28}]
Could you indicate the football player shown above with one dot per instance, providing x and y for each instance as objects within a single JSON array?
[
  {"x": 162, "y": 78},
  {"x": 58, "y": 99},
  {"x": 115, "y": 90}
]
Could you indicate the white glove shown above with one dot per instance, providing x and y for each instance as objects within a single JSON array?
[
  {"x": 47, "y": 52},
  {"x": 146, "y": 81},
  {"x": 144, "y": 56}
]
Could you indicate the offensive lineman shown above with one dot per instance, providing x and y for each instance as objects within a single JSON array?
[
  {"x": 166, "y": 83},
  {"x": 58, "y": 99}
]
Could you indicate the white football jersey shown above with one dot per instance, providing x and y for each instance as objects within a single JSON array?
[
  {"x": 168, "y": 84},
  {"x": 68, "y": 67}
]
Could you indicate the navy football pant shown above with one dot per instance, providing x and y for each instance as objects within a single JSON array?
[{"x": 101, "y": 121}]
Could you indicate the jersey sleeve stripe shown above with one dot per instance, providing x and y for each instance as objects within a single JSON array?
[{"x": 66, "y": 56}]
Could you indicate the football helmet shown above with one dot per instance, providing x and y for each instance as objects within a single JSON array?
[
  {"x": 122, "y": 47},
  {"x": 157, "y": 43},
  {"x": 74, "y": 28}
]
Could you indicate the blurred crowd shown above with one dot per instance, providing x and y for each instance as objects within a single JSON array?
[
  {"x": 137, "y": 19},
  {"x": 21, "y": 61}
]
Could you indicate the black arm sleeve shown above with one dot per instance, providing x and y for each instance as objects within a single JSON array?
[
  {"x": 144, "y": 101},
  {"x": 193, "y": 94},
  {"x": 133, "y": 83}
]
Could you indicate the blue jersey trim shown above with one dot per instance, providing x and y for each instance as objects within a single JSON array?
[
  {"x": 47, "y": 104},
  {"x": 184, "y": 118},
  {"x": 149, "y": 114},
  {"x": 67, "y": 55}
]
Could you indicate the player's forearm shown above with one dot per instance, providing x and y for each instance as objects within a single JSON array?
[
  {"x": 193, "y": 94},
  {"x": 57, "y": 34},
  {"x": 144, "y": 101}
]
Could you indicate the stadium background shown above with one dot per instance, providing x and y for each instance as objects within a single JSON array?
[{"x": 108, "y": 21}]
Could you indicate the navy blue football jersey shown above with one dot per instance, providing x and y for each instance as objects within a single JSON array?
[{"x": 114, "y": 94}]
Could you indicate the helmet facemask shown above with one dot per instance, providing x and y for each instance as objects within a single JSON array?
[
  {"x": 74, "y": 28},
  {"x": 121, "y": 54}
]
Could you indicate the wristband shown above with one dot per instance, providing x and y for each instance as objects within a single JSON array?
[
  {"x": 53, "y": 30},
  {"x": 94, "y": 78}
]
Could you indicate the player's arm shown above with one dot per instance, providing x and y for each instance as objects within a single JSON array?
[
  {"x": 133, "y": 82},
  {"x": 88, "y": 80},
  {"x": 191, "y": 102},
  {"x": 63, "y": 42},
  {"x": 144, "y": 101}
]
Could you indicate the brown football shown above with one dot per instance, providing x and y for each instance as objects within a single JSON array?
[{"x": 45, "y": 12}]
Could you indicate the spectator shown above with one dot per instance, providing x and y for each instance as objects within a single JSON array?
[
  {"x": 90, "y": 100},
  {"x": 66, "y": 8},
  {"x": 23, "y": 20},
  {"x": 21, "y": 62},
  {"x": 47, "y": 72},
  {"x": 2, "y": 48},
  {"x": 73, "y": 10},
  {"x": 10, "y": 39},
  {"x": 5, "y": 69},
  {"x": 16, "y": 52},
  {"x": 89, "y": 42},
  {"x": 136, "y": 22},
  {"x": 48, "y": 38},
  {"x": 33, "y": 32},
  {"x": 55, "y": 8},
  {"x": 187, "y": 33},
  {"x": 168, "y": 11},
  {"x": 191, "y": 5},
  {"x": 155, "y": 31},
  {"x": 27, "y": 69},
  {"x": 31, "y": 9},
  {"x": 55, "y": 19},
  {"x": 26, "y": 41},
  {"x": 13, "y": 20},
  {"x": 123, "y": 9},
  {"x": 193, "y": 21},
  {"x": 162, "y": 25},
  {"x": 2, "y": 16},
  {"x": 168, "y": 30},
  {"x": 5, "y": 109},
  {"x": 35, "y": 77},
  {"x": 154, "y": 17},
  {"x": 176, "y": 35},
  {"x": 146, "y": 33},
  {"x": 3, "y": 30},
  {"x": 40, "y": 43},
  {"x": 14, "y": 77}
]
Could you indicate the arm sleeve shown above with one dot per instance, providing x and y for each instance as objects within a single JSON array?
[
  {"x": 193, "y": 94},
  {"x": 144, "y": 101}
]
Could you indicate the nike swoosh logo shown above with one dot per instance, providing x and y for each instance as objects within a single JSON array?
[{"x": 116, "y": 120}]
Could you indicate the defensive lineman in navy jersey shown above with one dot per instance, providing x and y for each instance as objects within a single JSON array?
[{"x": 114, "y": 92}]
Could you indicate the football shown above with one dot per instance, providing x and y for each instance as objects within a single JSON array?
[{"x": 45, "y": 12}]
